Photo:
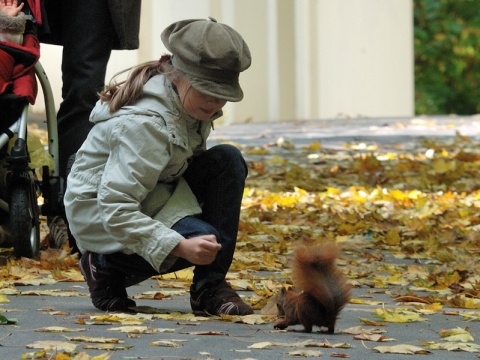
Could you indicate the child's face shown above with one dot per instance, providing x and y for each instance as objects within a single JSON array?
[{"x": 198, "y": 105}]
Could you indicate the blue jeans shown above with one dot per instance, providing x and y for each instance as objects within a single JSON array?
[{"x": 217, "y": 178}]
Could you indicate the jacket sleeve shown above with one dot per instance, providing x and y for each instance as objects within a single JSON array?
[{"x": 139, "y": 152}]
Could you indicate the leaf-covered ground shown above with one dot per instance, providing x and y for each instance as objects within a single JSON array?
[
  {"x": 406, "y": 220},
  {"x": 379, "y": 206}
]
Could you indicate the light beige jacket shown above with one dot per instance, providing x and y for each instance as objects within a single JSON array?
[{"x": 126, "y": 189}]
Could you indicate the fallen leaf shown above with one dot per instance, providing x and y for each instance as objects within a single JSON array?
[
  {"x": 305, "y": 353},
  {"x": 165, "y": 343},
  {"x": 101, "y": 340},
  {"x": 55, "y": 329},
  {"x": 456, "y": 335},
  {"x": 401, "y": 349},
  {"x": 55, "y": 345}
]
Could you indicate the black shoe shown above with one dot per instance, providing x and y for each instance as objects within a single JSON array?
[
  {"x": 107, "y": 290},
  {"x": 219, "y": 299}
]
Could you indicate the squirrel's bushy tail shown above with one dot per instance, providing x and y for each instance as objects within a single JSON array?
[{"x": 315, "y": 272}]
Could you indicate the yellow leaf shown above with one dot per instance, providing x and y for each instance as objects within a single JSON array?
[
  {"x": 397, "y": 315},
  {"x": 456, "y": 335},
  {"x": 56, "y": 345},
  {"x": 55, "y": 329},
  {"x": 333, "y": 191},
  {"x": 401, "y": 349},
  {"x": 393, "y": 237},
  {"x": 314, "y": 146},
  {"x": 253, "y": 319},
  {"x": 441, "y": 166},
  {"x": 101, "y": 340},
  {"x": 365, "y": 302},
  {"x": 471, "y": 315},
  {"x": 184, "y": 275},
  {"x": 109, "y": 347},
  {"x": 372, "y": 322},
  {"x": 434, "y": 307},
  {"x": 452, "y": 346}
]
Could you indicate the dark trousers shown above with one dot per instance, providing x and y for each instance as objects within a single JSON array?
[
  {"x": 217, "y": 178},
  {"x": 88, "y": 36}
]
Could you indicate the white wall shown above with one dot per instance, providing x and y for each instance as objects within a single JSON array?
[
  {"x": 312, "y": 59},
  {"x": 365, "y": 57}
]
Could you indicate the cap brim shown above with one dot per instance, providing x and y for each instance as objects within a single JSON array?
[{"x": 224, "y": 91}]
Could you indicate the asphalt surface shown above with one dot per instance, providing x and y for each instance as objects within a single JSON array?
[
  {"x": 68, "y": 306},
  {"x": 201, "y": 339},
  {"x": 335, "y": 133}
]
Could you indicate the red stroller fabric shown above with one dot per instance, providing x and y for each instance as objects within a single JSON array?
[
  {"x": 36, "y": 9},
  {"x": 17, "y": 73},
  {"x": 17, "y": 62}
]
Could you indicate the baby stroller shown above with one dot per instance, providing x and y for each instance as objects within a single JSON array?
[{"x": 21, "y": 186}]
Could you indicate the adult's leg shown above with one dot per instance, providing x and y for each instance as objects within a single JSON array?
[
  {"x": 88, "y": 35},
  {"x": 217, "y": 178}
]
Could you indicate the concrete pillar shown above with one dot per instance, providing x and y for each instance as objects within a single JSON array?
[{"x": 364, "y": 52}]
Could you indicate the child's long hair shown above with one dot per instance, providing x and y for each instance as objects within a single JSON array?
[{"x": 127, "y": 91}]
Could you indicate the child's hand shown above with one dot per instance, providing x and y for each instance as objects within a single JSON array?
[
  {"x": 199, "y": 250},
  {"x": 8, "y": 8}
]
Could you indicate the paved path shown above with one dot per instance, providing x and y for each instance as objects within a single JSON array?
[
  {"x": 213, "y": 339},
  {"x": 334, "y": 133},
  {"x": 216, "y": 339}
]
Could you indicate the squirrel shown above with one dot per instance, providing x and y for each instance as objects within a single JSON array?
[{"x": 325, "y": 290}]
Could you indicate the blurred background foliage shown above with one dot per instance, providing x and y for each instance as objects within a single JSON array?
[{"x": 447, "y": 56}]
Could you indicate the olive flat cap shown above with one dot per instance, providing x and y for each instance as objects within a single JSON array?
[{"x": 211, "y": 54}]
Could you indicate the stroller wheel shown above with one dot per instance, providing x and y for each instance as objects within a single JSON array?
[{"x": 24, "y": 220}]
